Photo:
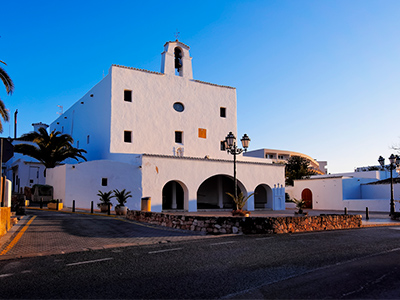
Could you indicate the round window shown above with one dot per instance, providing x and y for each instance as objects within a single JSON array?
[{"x": 178, "y": 106}]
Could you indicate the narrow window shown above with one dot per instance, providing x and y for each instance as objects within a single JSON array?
[
  {"x": 178, "y": 137},
  {"x": 128, "y": 95},
  {"x": 223, "y": 145},
  {"x": 62, "y": 129},
  {"x": 127, "y": 136},
  {"x": 104, "y": 182},
  {"x": 222, "y": 112},
  {"x": 87, "y": 139}
]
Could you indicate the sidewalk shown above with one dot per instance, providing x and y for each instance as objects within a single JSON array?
[{"x": 375, "y": 218}]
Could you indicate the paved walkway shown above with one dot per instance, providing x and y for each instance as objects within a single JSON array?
[{"x": 44, "y": 232}]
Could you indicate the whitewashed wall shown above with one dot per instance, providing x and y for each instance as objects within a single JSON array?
[
  {"x": 56, "y": 177},
  {"x": 352, "y": 193},
  {"x": 81, "y": 182},
  {"x": 379, "y": 191},
  {"x": 326, "y": 192},
  {"x": 191, "y": 173},
  {"x": 89, "y": 116},
  {"x": 151, "y": 111},
  {"x": 374, "y": 205}
]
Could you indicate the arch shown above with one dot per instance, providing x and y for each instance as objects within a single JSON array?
[
  {"x": 263, "y": 197},
  {"x": 306, "y": 195},
  {"x": 173, "y": 195},
  {"x": 178, "y": 53},
  {"x": 212, "y": 193}
]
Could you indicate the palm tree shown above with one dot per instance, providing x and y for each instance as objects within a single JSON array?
[
  {"x": 50, "y": 149},
  {"x": 122, "y": 196},
  {"x": 9, "y": 88}
]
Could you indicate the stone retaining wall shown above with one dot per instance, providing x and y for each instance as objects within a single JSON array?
[{"x": 249, "y": 225}]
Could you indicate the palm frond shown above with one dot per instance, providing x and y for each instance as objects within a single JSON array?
[
  {"x": 8, "y": 83},
  {"x": 51, "y": 149}
]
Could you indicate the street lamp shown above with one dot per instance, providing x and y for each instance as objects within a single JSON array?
[
  {"x": 394, "y": 161},
  {"x": 231, "y": 147}
]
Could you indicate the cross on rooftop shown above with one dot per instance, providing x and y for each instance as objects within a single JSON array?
[{"x": 177, "y": 34}]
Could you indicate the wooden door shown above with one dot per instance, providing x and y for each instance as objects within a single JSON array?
[{"x": 306, "y": 195}]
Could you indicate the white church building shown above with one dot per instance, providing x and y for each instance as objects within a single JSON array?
[{"x": 161, "y": 135}]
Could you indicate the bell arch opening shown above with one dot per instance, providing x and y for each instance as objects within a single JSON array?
[
  {"x": 178, "y": 61},
  {"x": 212, "y": 193},
  {"x": 173, "y": 196}
]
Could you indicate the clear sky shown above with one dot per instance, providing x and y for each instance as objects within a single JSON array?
[{"x": 316, "y": 77}]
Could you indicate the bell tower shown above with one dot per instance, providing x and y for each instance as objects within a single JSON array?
[{"x": 175, "y": 60}]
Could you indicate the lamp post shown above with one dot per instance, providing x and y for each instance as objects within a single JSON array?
[
  {"x": 394, "y": 161},
  {"x": 231, "y": 147}
]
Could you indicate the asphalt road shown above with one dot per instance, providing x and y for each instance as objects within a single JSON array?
[{"x": 347, "y": 264}]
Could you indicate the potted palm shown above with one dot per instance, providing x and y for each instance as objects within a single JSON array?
[
  {"x": 240, "y": 202},
  {"x": 300, "y": 204},
  {"x": 122, "y": 197},
  {"x": 105, "y": 200}
]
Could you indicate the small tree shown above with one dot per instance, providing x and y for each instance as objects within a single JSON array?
[
  {"x": 122, "y": 197},
  {"x": 297, "y": 167},
  {"x": 105, "y": 198},
  {"x": 300, "y": 204},
  {"x": 50, "y": 149},
  {"x": 240, "y": 202}
]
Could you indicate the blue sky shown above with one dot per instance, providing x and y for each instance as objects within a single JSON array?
[{"x": 317, "y": 77}]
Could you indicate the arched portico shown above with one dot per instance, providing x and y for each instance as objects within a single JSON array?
[
  {"x": 263, "y": 198},
  {"x": 173, "y": 195},
  {"x": 212, "y": 193}
]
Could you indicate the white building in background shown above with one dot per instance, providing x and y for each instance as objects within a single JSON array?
[
  {"x": 25, "y": 171},
  {"x": 160, "y": 135},
  {"x": 354, "y": 191},
  {"x": 282, "y": 156}
]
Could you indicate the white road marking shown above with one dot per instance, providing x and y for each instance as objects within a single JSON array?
[
  {"x": 166, "y": 250},
  {"x": 264, "y": 238},
  {"x": 89, "y": 261},
  {"x": 26, "y": 271},
  {"x": 222, "y": 243},
  {"x": 5, "y": 275}
]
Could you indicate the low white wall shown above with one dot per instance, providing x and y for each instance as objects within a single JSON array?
[
  {"x": 56, "y": 178},
  {"x": 338, "y": 193},
  {"x": 326, "y": 192},
  {"x": 377, "y": 205},
  {"x": 379, "y": 191},
  {"x": 84, "y": 180}
]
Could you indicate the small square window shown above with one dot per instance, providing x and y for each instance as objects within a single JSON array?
[
  {"x": 222, "y": 112},
  {"x": 104, "y": 181},
  {"x": 127, "y": 136},
  {"x": 128, "y": 95},
  {"x": 223, "y": 145},
  {"x": 178, "y": 137},
  {"x": 202, "y": 133}
]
